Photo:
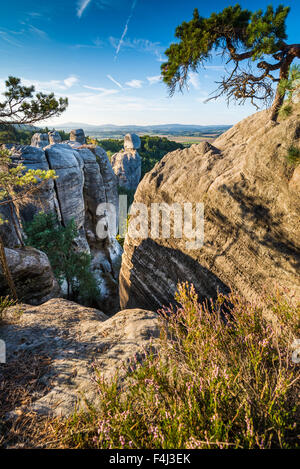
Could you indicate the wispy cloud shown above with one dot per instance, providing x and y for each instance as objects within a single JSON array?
[
  {"x": 81, "y": 6},
  {"x": 135, "y": 83},
  {"x": 9, "y": 38},
  {"x": 115, "y": 81},
  {"x": 103, "y": 91},
  {"x": 141, "y": 45},
  {"x": 133, "y": 5},
  {"x": 194, "y": 80},
  {"x": 154, "y": 80},
  {"x": 70, "y": 81},
  {"x": 51, "y": 85},
  {"x": 96, "y": 44},
  {"x": 42, "y": 34}
]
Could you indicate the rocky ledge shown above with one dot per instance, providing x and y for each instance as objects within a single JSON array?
[{"x": 74, "y": 340}]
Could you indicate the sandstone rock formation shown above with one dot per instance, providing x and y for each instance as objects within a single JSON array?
[
  {"x": 132, "y": 142},
  {"x": 85, "y": 179},
  {"x": 251, "y": 211},
  {"x": 74, "y": 339},
  {"x": 32, "y": 274},
  {"x": 39, "y": 140},
  {"x": 127, "y": 163},
  {"x": 54, "y": 137},
  {"x": 77, "y": 135}
]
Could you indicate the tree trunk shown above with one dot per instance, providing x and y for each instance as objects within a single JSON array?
[
  {"x": 292, "y": 52},
  {"x": 6, "y": 271}
]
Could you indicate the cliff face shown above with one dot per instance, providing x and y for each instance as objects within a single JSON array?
[
  {"x": 85, "y": 179},
  {"x": 127, "y": 163},
  {"x": 251, "y": 217}
]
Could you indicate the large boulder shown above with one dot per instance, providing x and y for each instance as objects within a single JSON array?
[
  {"x": 251, "y": 217},
  {"x": 32, "y": 275},
  {"x": 75, "y": 340},
  {"x": 54, "y": 137},
  {"x": 77, "y": 135},
  {"x": 39, "y": 140},
  {"x": 127, "y": 166},
  {"x": 132, "y": 142}
]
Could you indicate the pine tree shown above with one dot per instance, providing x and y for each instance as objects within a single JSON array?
[{"x": 244, "y": 38}]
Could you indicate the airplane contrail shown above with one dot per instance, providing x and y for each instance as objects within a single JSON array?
[{"x": 125, "y": 28}]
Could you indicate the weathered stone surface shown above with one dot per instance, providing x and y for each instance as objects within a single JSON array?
[
  {"x": 75, "y": 338},
  {"x": 39, "y": 140},
  {"x": 69, "y": 184},
  {"x": 109, "y": 178},
  {"x": 127, "y": 166},
  {"x": 32, "y": 274},
  {"x": 85, "y": 180},
  {"x": 77, "y": 135},
  {"x": 54, "y": 137},
  {"x": 132, "y": 142},
  {"x": 45, "y": 199},
  {"x": 251, "y": 212}
]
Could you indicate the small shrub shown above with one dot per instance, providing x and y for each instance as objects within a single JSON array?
[
  {"x": 5, "y": 303},
  {"x": 219, "y": 380},
  {"x": 285, "y": 111},
  {"x": 46, "y": 234},
  {"x": 293, "y": 155}
]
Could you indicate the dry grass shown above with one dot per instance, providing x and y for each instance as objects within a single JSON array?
[{"x": 20, "y": 385}]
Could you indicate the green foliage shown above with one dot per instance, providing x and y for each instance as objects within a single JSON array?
[
  {"x": 291, "y": 86},
  {"x": 12, "y": 134},
  {"x": 293, "y": 155},
  {"x": 17, "y": 184},
  {"x": 218, "y": 380},
  {"x": 110, "y": 144},
  {"x": 240, "y": 35},
  {"x": 5, "y": 303},
  {"x": 46, "y": 234},
  {"x": 153, "y": 149},
  {"x": 23, "y": 106},
  {"x": 285, "y": 110}
]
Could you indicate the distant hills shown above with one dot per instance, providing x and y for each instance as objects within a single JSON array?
[{"x": 121, "y": 130}]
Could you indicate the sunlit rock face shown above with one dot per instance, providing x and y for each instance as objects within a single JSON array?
[
  {"x": 127, "y": 166},
  {"x": 84, "y": 180},
  {"x": 132, "y": 142},
  {"x": 77, "y": 135},
  {"x": 251, "y": 218},
  {"x": 40, "y": 140},
  {"x": 127, "y": 163},
  {"x": 54, "y": 137}
]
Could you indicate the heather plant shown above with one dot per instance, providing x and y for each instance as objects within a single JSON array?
[{"x": 221, "y": 377}]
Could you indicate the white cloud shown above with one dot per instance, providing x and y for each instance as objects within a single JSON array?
[
  {"x": 103, "y": 91},
  {"x": 153, "y": 80},
  {"x": 48, "y": 86},
  {"x": 194, "y": 80},
  {"x": 135, "y": 83},
  {"x": 114, "y": 81},
  {"x": 70, "y": 81},
  {"x": 96, "y": 44},
  {"x": 7, "y": 37},
  {"x": 42, "y": 34},
  {"x": 141, "y": 45},
  {"x": 81, "y": 6}
]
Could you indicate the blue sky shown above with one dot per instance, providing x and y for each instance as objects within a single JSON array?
[{"x": 105, "y": 55}]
